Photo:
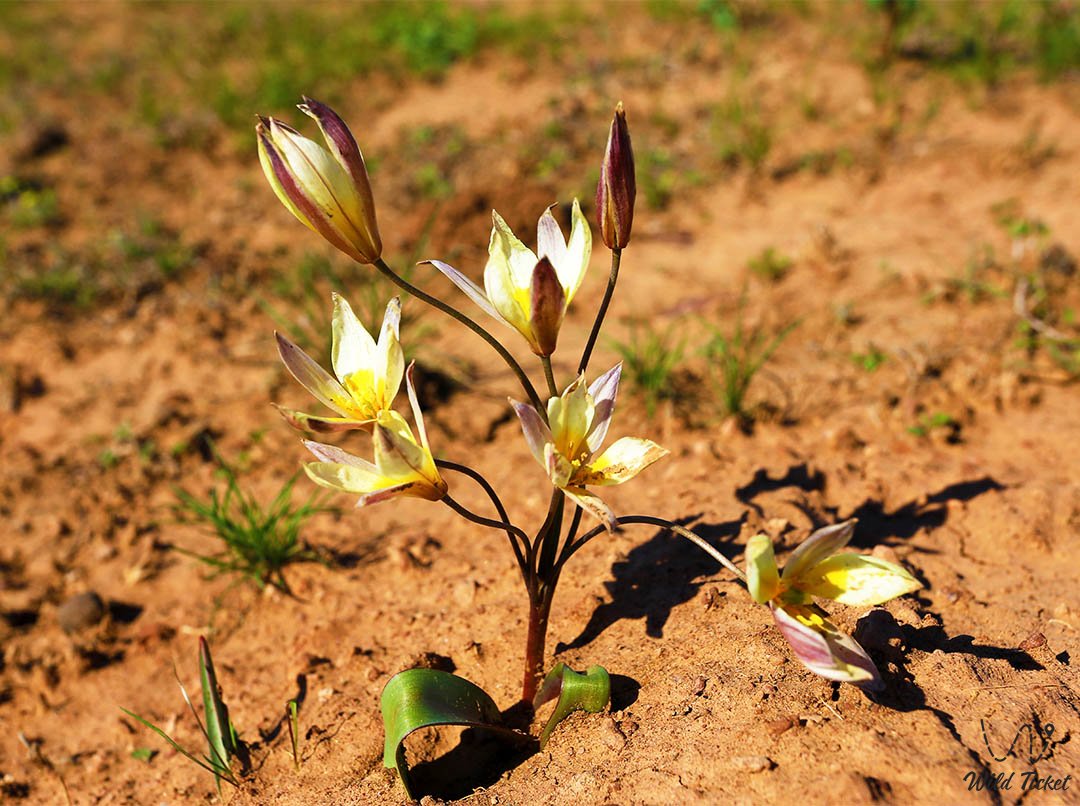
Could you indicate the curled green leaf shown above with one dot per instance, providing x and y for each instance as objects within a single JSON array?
[
  {"x": 575, "y": 691},
  {"x": 421, "y": 698}
]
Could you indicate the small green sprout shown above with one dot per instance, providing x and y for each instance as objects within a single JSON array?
[
  {"x": 293, "y": 720},
  {"x": 931, "y": 422},
  {"x": 770, "y": 265},
  {"x": 574, "y": 691},
  {"x": 870, "y": 360},
  {"x": 219, "y": 732}
]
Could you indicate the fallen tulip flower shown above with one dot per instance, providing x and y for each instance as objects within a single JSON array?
[
  {"x": 368, "y": 373},
  {"x": 325, "y": 188},
  {"x": 527, "y": 292},
  {"x": 403, "y": 466},
  {"x": 816, "y": 569},
  {"x": 566, "y": 448}
]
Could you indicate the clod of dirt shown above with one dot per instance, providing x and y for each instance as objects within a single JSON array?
[
  {"x": 752, "y": 764},
  {"x": 80, "y": 612}
]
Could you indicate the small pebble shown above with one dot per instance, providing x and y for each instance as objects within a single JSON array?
[
  {"x": 781, "y": 725},
  {"x": 81, "y": 611},
  {"x": 612, "y": 736}
]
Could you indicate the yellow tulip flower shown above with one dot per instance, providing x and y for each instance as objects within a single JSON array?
[
  {"x": 566, "y": 449},
  {"x": 403, "y": 465},
  {"x": 527, "y": 292},
  {"x": 368, "y": 373}
]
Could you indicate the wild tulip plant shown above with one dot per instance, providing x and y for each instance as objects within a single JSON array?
[{"x": 327, "y": 188}]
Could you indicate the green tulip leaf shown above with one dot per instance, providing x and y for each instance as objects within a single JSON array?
[
  {"x": 421, "y": 698},
  {"x": 575, "y": 691}
]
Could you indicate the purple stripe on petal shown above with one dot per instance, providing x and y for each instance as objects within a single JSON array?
[
  {"x": 537, "y": 434},
  {"x": 604, "y": 391}
]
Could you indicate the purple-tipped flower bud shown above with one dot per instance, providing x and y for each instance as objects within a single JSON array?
[
  {"x": 326, "y": 188},
  {"x": 617, "y": 187}
]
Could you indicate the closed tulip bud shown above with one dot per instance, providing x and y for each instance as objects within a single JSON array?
[
  {"x": 617, "y": 187},
  {"x": 326, "y": 188}
]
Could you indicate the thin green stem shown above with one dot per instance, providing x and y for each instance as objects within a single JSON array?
[
  {"x": 549, "y": 375},
  {"x": 476, "y": 476},
  {"x": 434, "y": 302},
  {"x": 682, "y": 531},
  {"x": 616, "y": 258}
]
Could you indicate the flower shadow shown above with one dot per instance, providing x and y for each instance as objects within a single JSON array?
[{"x": 654, "y": 578}]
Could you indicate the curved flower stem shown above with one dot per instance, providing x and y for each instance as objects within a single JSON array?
[
  {"x": 570, "y": 535},
  {"x": 616, "y": 258},
  {"x": 549, "y": 375},
  {"x": 434, "y": 302},
  {"x": 513, "y": 536},
  {"x": 506, "y": 526},
  {"x": 547, "y": 538},
  {"x": 682, "y": 531}
]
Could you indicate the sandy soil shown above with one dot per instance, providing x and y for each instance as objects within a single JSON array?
[{"x": 709, "y": 705}]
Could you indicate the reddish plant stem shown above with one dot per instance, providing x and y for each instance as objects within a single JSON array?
[{"x": 539, "y": 610}]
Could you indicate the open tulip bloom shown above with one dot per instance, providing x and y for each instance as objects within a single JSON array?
[
  {"x": 327, "y": 188},
  {"x": 530, "y": 291},
  {"x": 368, "y": 373},
  {"x": 815, "y": 569},
  {"x": 566, "y": 445},
  {"x": 403, "y": 466}
]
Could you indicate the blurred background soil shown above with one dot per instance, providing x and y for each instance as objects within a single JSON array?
[{"x": 885, "y": 192}]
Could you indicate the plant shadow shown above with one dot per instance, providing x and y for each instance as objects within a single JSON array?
[
  {"x": 653, "y": 579},
  {"x": 479, "y": 759}
]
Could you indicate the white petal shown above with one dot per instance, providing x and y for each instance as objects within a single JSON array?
[
  {"x": 578, "y": 251},
  {"x": 623, "y": 460},
  {"x": 825, "y": 541},
  {"x": 594, "y": 505},
  {"x": 353, "y": 348},
  {"x": 537, "y": 434},
  {"x": 603, "y": 391},
  {"x": 471, "y": 289},
  {"x": 391, "y": 357},
  {"x": 314, "y": 378},
  {"x": 549, "y": 240}
]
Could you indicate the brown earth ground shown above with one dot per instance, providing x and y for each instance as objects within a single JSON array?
[{"x": 958, "y": 454}]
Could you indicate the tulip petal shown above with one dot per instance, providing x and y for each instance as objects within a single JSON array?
[
  {"x": 344, "y": 478},
  {"x": 336, "y": 455},
  {"x": 762, "y": 576},
  {"x": 603, "y": 391},
  {"x": 569, "y": 417},
  {"x": 823, "y": 648},
  {"x": 558, "y": 467},
  {"x": 391, "y": 358},
  {"x": 507, "y": 296},
  {"x": 550, "y": 242},
  {"x": 519, "y": 257},
  {"x": 326, "y": 184},
  {"x": 548, "y": 305},
  {"x": 855, "y": 579},
  {"x": 314, "y": 378},
  {"x": 414, "y": 403},
  {"x": 578, "y": 251},
  {"x": 471, "y": 289},
  {"x": 353, "y": 349},
  {"x": 624, "y": 459},
  {"x": 292, "y": 194},
  {"x": 343, "y": 146},
  {"x": 397, "y": 454},
  {"x": 594, "y": 505},
  {"x": 536, "y": 432},
  {"x": 321, "y": 425},
  {"x": 816, "y": 548}
]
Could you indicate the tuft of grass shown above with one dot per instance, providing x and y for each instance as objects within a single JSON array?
[
  {"x": 740, "y": 133},
  {"x": 650, "y": 359},
  {"x": 770, "y": 265},
  {"x": 258, "y": 540},
  {"x": 939, "y": 420},
  {"x": 870, "y": 360},
  {"x": 734, "y": 360}
]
